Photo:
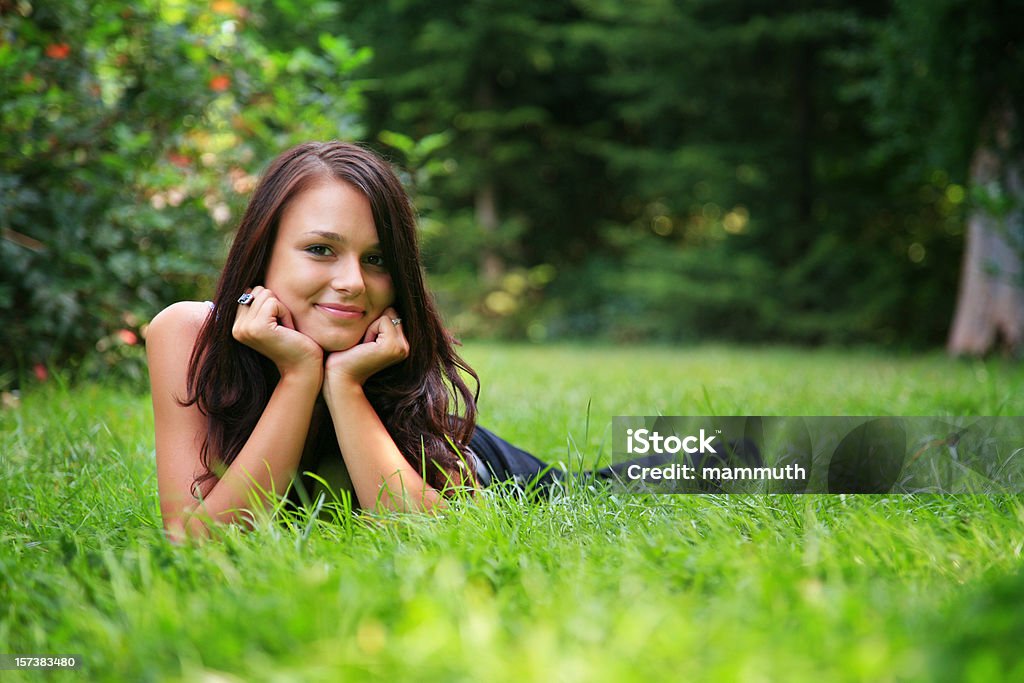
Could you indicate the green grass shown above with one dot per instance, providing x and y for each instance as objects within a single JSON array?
[{"x": 591, "y": 586}]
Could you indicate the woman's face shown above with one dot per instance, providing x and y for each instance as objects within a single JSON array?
[{"x": 327, "y": 267}]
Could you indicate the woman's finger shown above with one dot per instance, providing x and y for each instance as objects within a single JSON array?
[
  {"x": 252, "y": 318},
  {"x": 282, "y": 314},
  {"x": 263, "y": 309},
  {"x": 243, "y": 314},
  {"x": 369, "y": 334},
  {"x": 258, "y": 297},
  {"x": 393, "y": 323},
  {"x": 378, "y": 330},
  {"x": 394, "y": 333}
]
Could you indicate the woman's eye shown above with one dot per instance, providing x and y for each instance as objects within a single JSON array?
[
  {"x": 319, "y": 250},
  {"x": 375, "y": 260}
]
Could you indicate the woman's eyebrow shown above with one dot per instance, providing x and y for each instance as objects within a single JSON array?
[
  {"x": 324, "y": 234},
  {"x": 335, "y": 237}
]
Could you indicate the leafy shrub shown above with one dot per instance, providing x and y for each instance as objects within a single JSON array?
[{"x": 131, "y": 138}]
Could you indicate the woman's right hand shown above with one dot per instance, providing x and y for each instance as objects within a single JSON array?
[{"x": 266, "y": 326}]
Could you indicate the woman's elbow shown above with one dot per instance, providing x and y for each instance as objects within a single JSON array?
[{"x": 185, "y": 525}]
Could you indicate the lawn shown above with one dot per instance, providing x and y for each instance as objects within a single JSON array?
[{"x": 591, "y": 586}]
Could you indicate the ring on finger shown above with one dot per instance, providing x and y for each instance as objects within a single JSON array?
[
  {"x": 396, "y": 321},
  {"x": 246, "y": 298}
]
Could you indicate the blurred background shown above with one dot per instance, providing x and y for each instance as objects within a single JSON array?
[{"x": 830, "y": 173}]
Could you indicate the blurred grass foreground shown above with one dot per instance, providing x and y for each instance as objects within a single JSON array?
[
  {"x": 655, "y": 175},
  {"x": 589, "y": 586}
]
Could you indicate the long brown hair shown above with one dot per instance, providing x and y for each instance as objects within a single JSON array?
[{"x": 422, "y": 401}]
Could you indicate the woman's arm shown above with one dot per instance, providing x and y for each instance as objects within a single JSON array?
[
  {"x": 380, "y": 474},
  {"x": 270, "y": 456}
]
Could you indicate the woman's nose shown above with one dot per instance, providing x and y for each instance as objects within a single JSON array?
[{"x": 348, "y": 277}]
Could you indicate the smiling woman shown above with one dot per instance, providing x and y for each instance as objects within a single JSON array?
[
  {"x": 314, "y": 368},
  {"x": 327, "y": 267},
  {"x": 322, "y": 351}
]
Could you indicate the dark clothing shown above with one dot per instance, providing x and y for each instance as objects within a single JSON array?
[
  {"x": 502, "y": 461},
  {"x": 498, "y": 460},
  {"x": 494, "y": 459}
]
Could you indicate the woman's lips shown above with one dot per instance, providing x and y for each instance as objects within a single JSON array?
[{"x": 341, "y": 311}]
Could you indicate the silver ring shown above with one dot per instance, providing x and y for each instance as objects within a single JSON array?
[
  {"x": 246, "y": 299},
  {"x": 395, "y": 321}
]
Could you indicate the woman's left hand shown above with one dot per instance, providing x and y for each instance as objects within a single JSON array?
[{"x": 383, "y": 345}]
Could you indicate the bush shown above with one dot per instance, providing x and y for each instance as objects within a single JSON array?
[{"x": 131, "y": 139}]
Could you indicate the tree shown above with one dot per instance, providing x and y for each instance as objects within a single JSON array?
[
  {"x": 88, "y": 90},
  {"x": 132, "y": 135},
  {"x": 990, "y": 307},
  {"x": 947, "y": 99},
  {"x": 504, "y": 97},
  {"x": 725, "y": 168},
  {"x": 754, "y": 210}
]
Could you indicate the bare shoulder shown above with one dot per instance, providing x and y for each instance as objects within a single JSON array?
[
  {"x": 181, "y": 320},
  {"x": 172, "y": 334},
  {"x": 170, "y": 339}
]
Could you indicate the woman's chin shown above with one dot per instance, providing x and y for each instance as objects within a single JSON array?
[
  {"x": 334, "y": 346},
  {"x": 333, "y": 339}
]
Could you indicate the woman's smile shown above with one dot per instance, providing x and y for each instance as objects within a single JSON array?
[
  {"x": 327, "y": 267},
  {"x": 341, "y": 311},
  {"x": 327, "y": 244}
]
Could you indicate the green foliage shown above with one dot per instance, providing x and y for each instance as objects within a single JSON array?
[
  {"x": 686, "y": 170},
  {"x": 131, "y": 139},
  {"x": 88, "y": 92},
  {"x": 744, "y": 161},
  {"x": 662, "y": 169},
  {"x": 508, "y": 93},
  {"x": 946, "y": 72},
  {"x": 937, "y": 73}
]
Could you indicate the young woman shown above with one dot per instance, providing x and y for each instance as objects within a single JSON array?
[{"x": 321, "y": 351}]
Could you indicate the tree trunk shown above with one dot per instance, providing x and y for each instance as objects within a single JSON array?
[
  {"x": 492, "y": 265},
  {"x": 990, "y": 306}
]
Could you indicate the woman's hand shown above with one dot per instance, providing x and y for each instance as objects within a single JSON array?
[
  {"x": 380, "y": 474},
  {"x": 383, "y": 345},
  {"x": 266, "y": 325}
]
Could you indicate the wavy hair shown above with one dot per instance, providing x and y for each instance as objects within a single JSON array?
[{"x": 423, "y": 401}]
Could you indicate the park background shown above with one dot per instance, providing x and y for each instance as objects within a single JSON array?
[
  {"x": 626, "y": 208},
  {"x": 654, "y": 170}
]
